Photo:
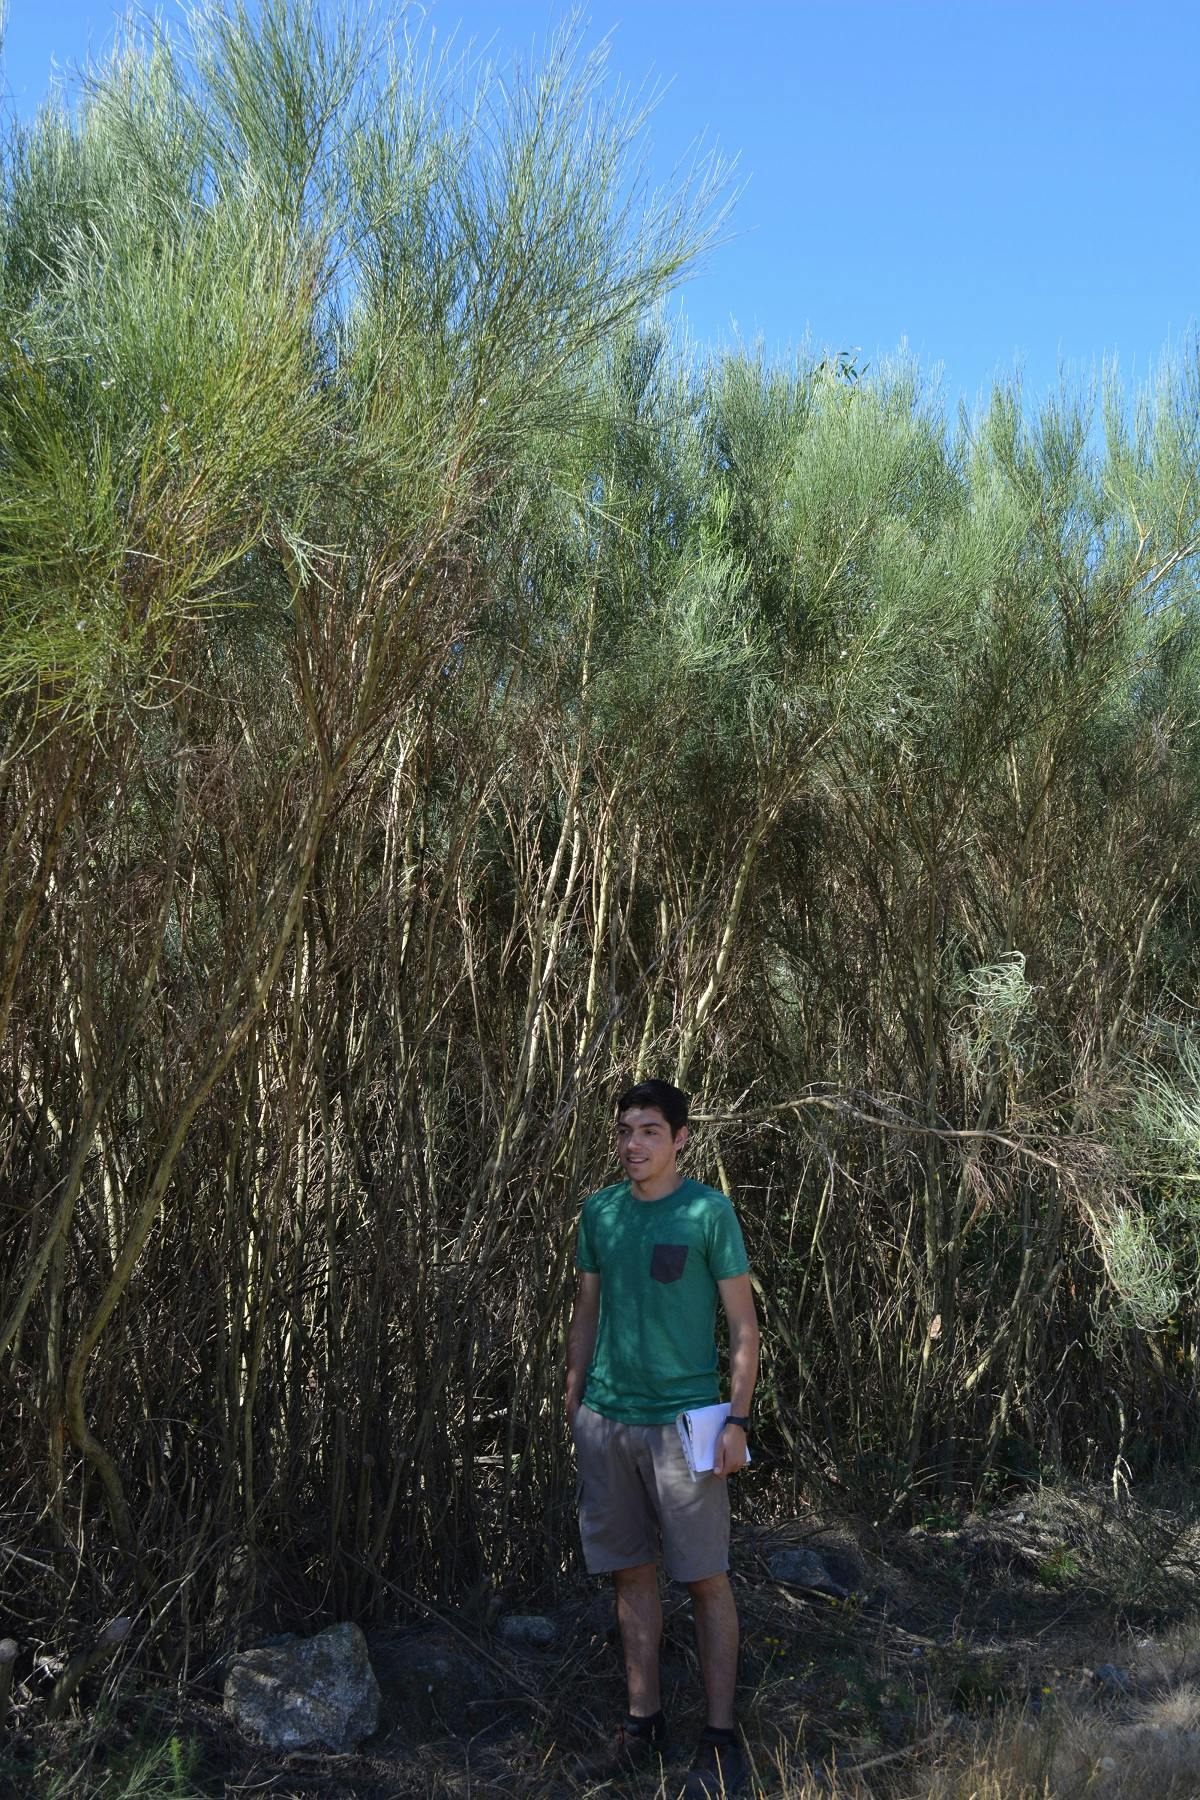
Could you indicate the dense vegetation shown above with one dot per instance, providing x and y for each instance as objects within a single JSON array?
[{"x": 429, "y": 701}]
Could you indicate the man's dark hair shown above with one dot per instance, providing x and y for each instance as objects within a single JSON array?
[{"x": 670, "y": 1101}]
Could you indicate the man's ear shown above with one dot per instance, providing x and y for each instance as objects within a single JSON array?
[{"x": 681, "y": 1138}]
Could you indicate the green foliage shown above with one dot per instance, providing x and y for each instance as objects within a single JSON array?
[
  {"x": 295, "y": 283},
  {"x": 1060, "y": 1567},
  {"x": 1163, "y": 1114},
  {"x": 1138, "y": 1268},
  {"x": 997, "y": 999},
  {"x": 170, "y": 1768}
]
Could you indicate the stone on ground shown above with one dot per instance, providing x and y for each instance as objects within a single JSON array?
[
  {"x": 306, "y": 1692},
  {"x": 806, "y": 1569},
  {"x": 527, "y": 1630}
]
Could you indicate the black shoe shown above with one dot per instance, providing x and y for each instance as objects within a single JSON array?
[
  {"x": 627, "y": 1753},
  {"x": 717, "y": 1770}
]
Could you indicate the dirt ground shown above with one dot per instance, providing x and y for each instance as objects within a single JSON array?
[{"x": 1048, "y": 1648}]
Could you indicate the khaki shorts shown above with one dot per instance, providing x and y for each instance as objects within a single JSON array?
[{"x": 638, "y": 1499}]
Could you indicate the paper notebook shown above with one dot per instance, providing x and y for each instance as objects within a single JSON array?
[{"x": 698, "y": 1433}]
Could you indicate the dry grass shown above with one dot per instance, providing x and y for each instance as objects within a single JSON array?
[
  {"x": 909, "y": 1690},
  {"x": 1152, "y": 1755}
]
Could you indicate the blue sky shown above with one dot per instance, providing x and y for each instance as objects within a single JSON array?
[{"x": 996, "y": 183}]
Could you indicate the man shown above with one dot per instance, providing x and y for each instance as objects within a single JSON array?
[{"x": 654, "y": 1252}]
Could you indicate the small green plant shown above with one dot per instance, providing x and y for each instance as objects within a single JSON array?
[
  {"x": 981, "y": 1684},
  {"x": 167, "y": 1770},
  {"x": 162, "y": 1772},
  {"x": 1060, "y": 1567}
]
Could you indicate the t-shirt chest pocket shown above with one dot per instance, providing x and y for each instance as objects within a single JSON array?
[{"x": 667, "y": 1261}]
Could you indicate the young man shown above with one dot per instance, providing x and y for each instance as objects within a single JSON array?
[{"x": 654, "y": 1252}]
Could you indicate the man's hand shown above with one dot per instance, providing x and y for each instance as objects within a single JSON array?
[{"x": 730, "y": 1453}]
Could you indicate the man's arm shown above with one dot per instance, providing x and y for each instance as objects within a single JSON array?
[
  {"x": 581, "y": 1338},
  {"x": 737, "y": 1297}
]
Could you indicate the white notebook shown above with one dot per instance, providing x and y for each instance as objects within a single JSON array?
[{"x": 698, "y": 1433}]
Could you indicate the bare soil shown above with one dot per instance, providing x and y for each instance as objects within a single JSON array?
[{"x": 1054, "y": 1632}]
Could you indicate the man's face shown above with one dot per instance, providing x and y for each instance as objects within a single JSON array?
[{"x": 646, "y": 1148}]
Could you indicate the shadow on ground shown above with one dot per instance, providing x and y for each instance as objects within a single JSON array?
[{"x": 1046, "y": 1648}]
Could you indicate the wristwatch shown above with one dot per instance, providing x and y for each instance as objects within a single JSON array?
[{"x": 732, "y": 1419}]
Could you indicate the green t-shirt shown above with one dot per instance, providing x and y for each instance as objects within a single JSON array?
[{"x": 659, "y": 1263}]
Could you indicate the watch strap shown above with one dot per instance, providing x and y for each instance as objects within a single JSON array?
[{"x": 736, "y": 1419}]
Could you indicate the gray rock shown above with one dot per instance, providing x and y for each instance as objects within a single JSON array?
[
  {"x": 1112, "y": 1679},
  {"x": 527, "y": 1630},
  {"x": 806, "y": 1569},
  {"x": 309, "y": 1691}
]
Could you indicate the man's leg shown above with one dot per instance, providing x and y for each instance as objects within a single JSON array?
[
  {"x": 694, "y": 1518},
  {"x": 621, "y": 1537},
  {"x": 717, "y": 1644},
  {"x": 640, "y": 1740},
  {"x": 639, "y": 1615}
]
